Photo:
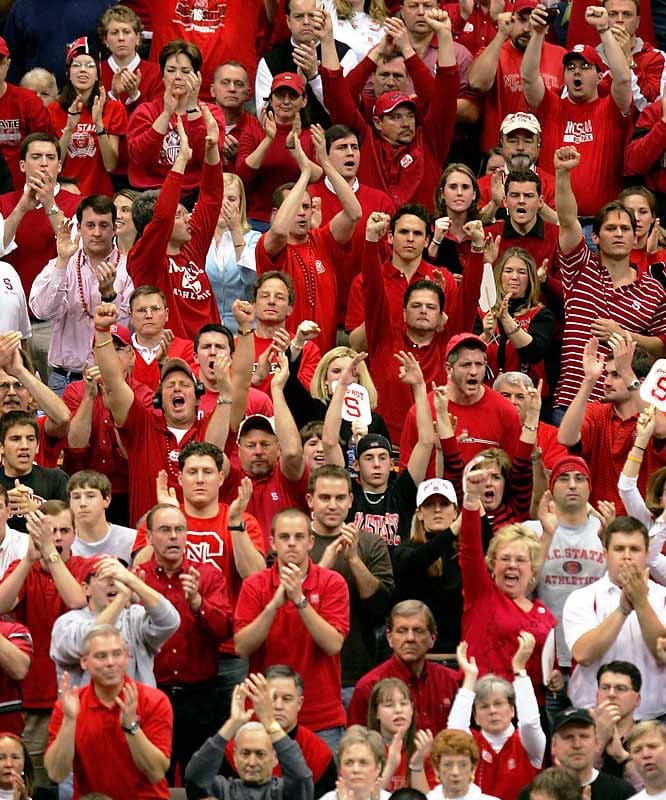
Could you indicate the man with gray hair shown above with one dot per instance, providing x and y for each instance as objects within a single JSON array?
[
  {"x": 258, "y": 747},
  {"x": 514, "y": 386},
  {"x": 113, "y": 733}
]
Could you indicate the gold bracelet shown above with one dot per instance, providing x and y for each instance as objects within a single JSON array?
[
  {"x": 634, "y": 459},
  {"x": 245, "y": 333},
  {"x": 103, "y": 344}
]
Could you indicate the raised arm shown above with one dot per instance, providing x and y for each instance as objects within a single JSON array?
[
  {"x": 292, "y": 462},
  {"x": 108, "y": 143},
  {"x": 484, "y": 67},
  {"x": 59, "y": 757},
  {"x": 344, "y": 222},
  {"x": 411, "y": 374},
  {"x": 330, "y": 437},
  {"x": 570, "y": 428},
  {"x": 534, "y": 87},
  {"x": 567, "y": 159},
  {"x": 277, "y": 235},
  {"x": 41, "y": 533},
  {"x": 597, "y": 17},
  {"x": 119, "y": 395}
]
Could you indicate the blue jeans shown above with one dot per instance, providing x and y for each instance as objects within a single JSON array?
[
  {"x": 59, "y": 382},
  {"x": 332, "y": 738},
  {"x": 231, "y": 670},
  {"x": 558, "y": 415}
]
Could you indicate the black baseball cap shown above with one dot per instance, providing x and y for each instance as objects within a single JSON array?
[{"x": 573, "y": 716}]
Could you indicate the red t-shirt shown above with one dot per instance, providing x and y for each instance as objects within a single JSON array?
[
  {"x": 49, "y": 449},
  {"x": 371, "y": 199},
  {"x": 21, "y": 113},
  {"x": 39, "y": 605},
  {"x": 506, "y": 95},
  {"x": 183, "y": 276},
  {"x": 599, "y": 132},
  {"x": 270, "y": 494},
  {"x": 35, "y": 241},
  {"x": 310, "y": 357},
  {"x": 10, "y": 689},
  {"x": 151, "y": 446},
  {"x": 102, "y": 759},
  {"x": 222, "y": 31},
  {"x": 432, "y": 692},
  {"x": 83, "y": 159},
  {"x": 289, "y": 641},
  {"x": 312, "y": 267},
  {"x": 491, "y": 422}
]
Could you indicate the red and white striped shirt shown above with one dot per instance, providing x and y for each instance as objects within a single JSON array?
[{"x": 639, "y": 307}]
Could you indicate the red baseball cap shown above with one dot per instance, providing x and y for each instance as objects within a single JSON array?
[
  {"x": 390, "y": 100},
  {"x": 463, "y": 339},
  {"x": 523, "y": 5},
  {"x": 289, "y": 79},
  {"x": 587, "y": 53},
  {"x": 4, "y": 50}
]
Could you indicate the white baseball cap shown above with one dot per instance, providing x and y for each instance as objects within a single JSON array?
[{"x": 435, "y": 486}]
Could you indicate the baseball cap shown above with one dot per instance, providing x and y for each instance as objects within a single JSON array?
[
  {"x": 461, "y": 339},
  {"x": 435, "y": 486},
  {"x": 255, "y": 422},
  {"x": 521, "y": 121},
  {"x": 572, "y": 716},
  {"x": 4, "y": 50},
  {"x": 390, "y": 100},
  {"x": 371, "y": 440},
  {"x": 177, "y": 365},
  {"x": 568, "y": 464},
  {"x": 80, "y": 45},
  {"x": 121, "y": 333},
  {"x": 90, "y": 567},
  {"x": 289, "y": 79},
  {"x": 523, "y": 5},
  {"x": 587, "y": 53}
]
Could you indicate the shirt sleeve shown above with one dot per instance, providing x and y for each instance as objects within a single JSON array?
[
  {"x": 529, "y": 722},
  {"x": 334, "y": 605},
  {"x": 157, "y": 625},
  {"x": 48, "y": 295},
  {"x": 578, "y": 617},
  {"x": 460, "y": 714}
]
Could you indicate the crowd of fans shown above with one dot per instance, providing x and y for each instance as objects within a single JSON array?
[{"x": 333, "y": 439}]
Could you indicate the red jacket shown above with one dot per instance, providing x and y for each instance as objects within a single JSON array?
[
  {"x": 646, "y": 153},
  {"x": 409, "y": 173}
]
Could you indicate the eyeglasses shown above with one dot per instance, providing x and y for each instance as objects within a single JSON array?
[
  {"x": 582, "y": 65},
  {"x": 16, "y": 386},
  {"x": 617, "y": 688},
  {"x": 143, "y": 311}
]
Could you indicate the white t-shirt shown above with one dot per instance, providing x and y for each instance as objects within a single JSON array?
[
  {"x": 118, "y": 542},
  {"x": 14, "y": 316},
  {"x": 575, "y": 559},
  {"x": 13, "y": 547},
  {"x": 473, "y": 793},
  {"x": 643, "y": 795}
]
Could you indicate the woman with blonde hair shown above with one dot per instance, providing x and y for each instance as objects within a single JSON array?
[
  {"x": 357, "y": 23},
  {"x": 361, "y": 760},
  {"x": 497, "y": 588},
  {"x": 125, "y": 230},
  {"x": 519, "y": 331},
  {"x": 230, "y": 263},
  {"x": 306, "y": 407}
]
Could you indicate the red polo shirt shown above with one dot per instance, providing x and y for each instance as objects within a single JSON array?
[
  {"x": 10, "y": 689},
  {"x": 200, "y": 631},
  {"x": 289, "y": 641},
  {"x": 39, "y": 605},
  {"x": 151, "y": 446},
  {"x": 541, "y": 242},
  {"x": 102, "y": 759},
  {"x": 270, "y": 494},
  {"x": 432, "y": 692}
]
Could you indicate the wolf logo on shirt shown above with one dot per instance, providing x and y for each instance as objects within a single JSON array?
[{"x": 203, "y": 16}]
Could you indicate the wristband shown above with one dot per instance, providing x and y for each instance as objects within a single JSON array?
[
  {"x": 108, "y": 298},
  {"x": 192, "y": 110},
  {"x": 221, "y": 401},
  {"x": 415, "y": 769},
  {"x": 74, "y": 113},
  {"x": 101, "y": 330},
  {"x": 477, "y": 249},
  {"x": 634, "y": 459},
  {"x": 638, "y": 447},
  {"x": 437, "y": 241},
  {"x": 102, "y": 132},
  {"x": 245, "y": 333}
]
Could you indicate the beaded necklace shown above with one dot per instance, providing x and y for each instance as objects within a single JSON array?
[
  {"x": 79, "y": 280},
  {"x": 308, "y": 271}
]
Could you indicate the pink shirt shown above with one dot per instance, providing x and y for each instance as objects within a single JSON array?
[{"x": 69, "y": 297}]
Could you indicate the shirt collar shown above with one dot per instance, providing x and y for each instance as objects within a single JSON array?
[
  {"x": 149, "y": 351},
  {"x": 330, "y": 188},
  {"x": 132, "y": 66},
  {"x": 539, "y": 230}
]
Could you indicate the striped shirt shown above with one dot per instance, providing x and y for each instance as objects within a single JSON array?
[{"x": 638, "y": 307}]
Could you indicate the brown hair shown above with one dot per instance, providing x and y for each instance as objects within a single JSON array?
[
  {"x": 531, "y": 298},
  {"x": 458, "y": 743}
]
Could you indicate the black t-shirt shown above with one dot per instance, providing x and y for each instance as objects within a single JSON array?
[
  {"x": 604, "y": 787},
  {"x": 46, "y": 484},
  {"x": 387, "y": 514}
]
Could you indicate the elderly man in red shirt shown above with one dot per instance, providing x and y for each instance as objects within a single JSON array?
[{"x": 199, "y": 593}]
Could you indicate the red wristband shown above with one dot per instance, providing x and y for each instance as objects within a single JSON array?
[{"x": 102, "y": 330}]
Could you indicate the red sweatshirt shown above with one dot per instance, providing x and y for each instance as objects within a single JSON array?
[
  {"x": 409, "y": 173},
  {"x": 646, "y": 153},
  {"x": 182, "y": 277},
  {"x": 151, "y": 155},
  {"x": 386, "y": 339},
  {"x": 21, "y": 113}
]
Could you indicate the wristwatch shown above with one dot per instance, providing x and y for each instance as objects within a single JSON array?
[
  {"x": 520, "y": 673},
  {"x": 53, "y": 557},
  {"x": 53, "y": 211},
  {"x": 132, "y": 729},
  {"x": 239, "y": 527},
  {"x": 303, "y": 602},
  {"x": 634, "y": 386},
  {"x": 273, "y": 728}
]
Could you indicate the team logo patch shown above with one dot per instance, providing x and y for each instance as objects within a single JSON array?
[
  {"x": 572, "y": 567},
  {"x": 406, "y": 161},
  {"x": 319, "y": 267}
]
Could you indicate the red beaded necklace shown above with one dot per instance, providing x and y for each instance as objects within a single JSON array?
[
  {"x": 308, "y": 271},
  {"x": 79, "y": 280}
]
